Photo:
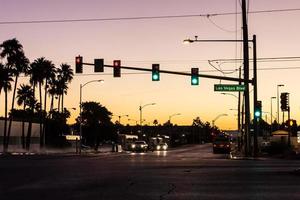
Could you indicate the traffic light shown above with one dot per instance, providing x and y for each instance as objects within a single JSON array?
[
  {"x": 284, "y": 101},
  {"x": 155, "y": 72},
  {"x": 258, "y": 111},
  {"x": 98, "y": 65},
  {"x": 78, "y": 63},
  {"x": 195, "y": 77},
  {"x": 117, "y": 68}
]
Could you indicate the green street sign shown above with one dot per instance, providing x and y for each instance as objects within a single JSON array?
[{"x": 229, "y": 88}]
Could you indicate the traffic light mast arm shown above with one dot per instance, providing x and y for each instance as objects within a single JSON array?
[{"x": 181, "y": 73}]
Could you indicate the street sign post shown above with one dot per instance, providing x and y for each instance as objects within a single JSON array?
[{"x": 229, "y": 88}]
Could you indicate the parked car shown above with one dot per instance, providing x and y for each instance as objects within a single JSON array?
[{"x": 139, "y": 146}]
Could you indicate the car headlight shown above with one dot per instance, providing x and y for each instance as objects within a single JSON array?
[
  {"x": 165, "y": 147},
  {"x": 158, "y": 147},
  {"x": 133, "y": 146}
]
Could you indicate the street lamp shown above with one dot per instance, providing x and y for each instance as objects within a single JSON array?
[
  {"x": 80, "y": 109},
  {"x": 141, "y": 110},
  {"x": 214, "y": 120},
  {"x": 173, "y": 116},
  {"x": 280, "y": 85}
]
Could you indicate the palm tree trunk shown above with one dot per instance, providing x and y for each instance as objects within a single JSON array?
[
  {"x": 29, "y": 130},
  {"x": 58, "y": 104},
  {"x": 23, "y": 129},
  {"x": 62, "y": 102},
  {"x": 12, "y": 107},
  {"x": 41, "y": 121},
  {"x": 45, "y": 118},
  {"x": 45, "y": 96},
  {"x": 52, "y": 102},
  {"x": 5, "y": 124}
]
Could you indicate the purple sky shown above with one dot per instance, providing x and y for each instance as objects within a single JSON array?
[{"x": 143, "y": 42}]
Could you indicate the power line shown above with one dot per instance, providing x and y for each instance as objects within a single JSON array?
[
  {"x": 144, "y": 17},
  {"x": 201, "y": 71}
]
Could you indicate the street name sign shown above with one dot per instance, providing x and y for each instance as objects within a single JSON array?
[{"x": 229, "y": 88}]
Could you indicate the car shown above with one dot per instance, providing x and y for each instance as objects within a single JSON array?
[
  {"x": 139, "y": 146},
  {"x": 161, "y": 146},
  {"x": 265, "y": 146},
  {"x": 221, "y": 145}
]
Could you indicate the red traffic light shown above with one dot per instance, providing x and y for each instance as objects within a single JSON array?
[
  {"x": 78, "y": 63},
  {"x": 117, "y": 68}
]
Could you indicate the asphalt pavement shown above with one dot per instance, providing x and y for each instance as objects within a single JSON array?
[{"x": 188, "y": 172}]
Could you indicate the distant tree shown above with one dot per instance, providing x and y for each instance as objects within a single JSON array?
[
  {"x": 155, "y": 122},
  {"x": 197, "y": 122},
  {"x": 94, "y": 116},
  {"x": 168, "y": 123}
]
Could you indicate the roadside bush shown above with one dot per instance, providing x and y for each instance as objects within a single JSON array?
[{"x": 278, "y": 148}]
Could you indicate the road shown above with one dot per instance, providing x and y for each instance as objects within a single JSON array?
[{"x": 189, "y": 172}]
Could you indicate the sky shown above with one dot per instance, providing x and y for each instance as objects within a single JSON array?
[{"x": 140, "y": 43}]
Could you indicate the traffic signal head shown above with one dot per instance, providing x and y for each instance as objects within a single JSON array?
[
  {"x": 117, "y": 68},
  {"x": 78, "y": 64},
  {"x": 284, "y": 101},
  {"x": 98, "y": 65},
  {"x": 258, "y": 111},
  {"x": 155, "y": 72},
  {"x": 194, "y": 76}
]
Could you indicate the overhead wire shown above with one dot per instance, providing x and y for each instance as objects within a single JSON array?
[{"x": 142, "y": 17}]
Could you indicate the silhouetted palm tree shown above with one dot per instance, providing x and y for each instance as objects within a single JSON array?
[
  {"x": 36, "y": 78},
  {"x": 12, "y": 50},
  {"x": 48, "y": 73},
  {"x": 65, "y": 76},
  {"x": 52, "y": 91},
  {"x": 5, "y": 85},
  {"x": 24, "y": 97}
]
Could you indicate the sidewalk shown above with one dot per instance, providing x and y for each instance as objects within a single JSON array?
[{"x": 103, "y": 149}]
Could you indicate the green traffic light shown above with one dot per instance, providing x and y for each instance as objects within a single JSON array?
[
  {"x": 155, "y": 77},
  {"x": 257, "y": 113},
  {"x": 195, "y": 81}
]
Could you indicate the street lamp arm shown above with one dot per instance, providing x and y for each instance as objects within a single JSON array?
[
  {"x": 211, "y": 40},
  {"x": 149, "y": 104},
  {"x": 214, "y": 120},
  {"x": 173, "y": 116},
  {"x": 100, "y": 80},
  {"x": 229, "y": 94}
]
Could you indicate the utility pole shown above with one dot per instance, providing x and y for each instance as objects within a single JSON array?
[
  {"x": 246, "y": 77},
  {"x": 239, "y": 114},
  {"x": 255, "y": 135}
]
